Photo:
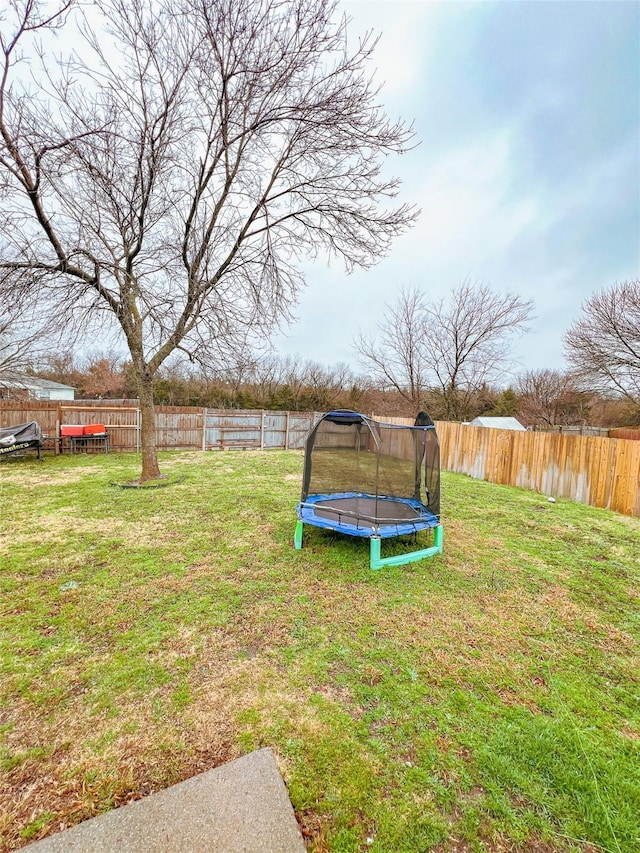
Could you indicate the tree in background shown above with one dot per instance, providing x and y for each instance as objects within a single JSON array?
[
  {"x": 552, "y": 398},
  {"x": 26, "y": 337},
  {"x": 97, "y": 375},
  {"x": 612, "y": 411},
  {"x": 442, "y": 354},
  {"x": 17, "y": 342},
  {"x": 507, "y": 404},
  {"x": 468, "y": 341},
  {"x": 397, "y": 357},
  {"x": 329, "y": 386},
  {"x": 63, "y": 366},
  {"x": 167, "y": 181},
  {"x": 267, "y": 382},
  {"x": 289, "y": 383},
  {"x": 603, "y": 344}
]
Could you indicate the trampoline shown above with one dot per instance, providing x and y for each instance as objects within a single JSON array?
[{"x": 371, "y": 479}]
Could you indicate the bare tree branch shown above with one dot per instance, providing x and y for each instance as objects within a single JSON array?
[
  {"x": 455, "y": 346},
  {"x": 603, "y": 345}
]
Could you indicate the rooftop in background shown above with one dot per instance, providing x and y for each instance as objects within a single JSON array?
[
  {"x": 14, "y": 385},
  {"x": 498, "y": 423}
]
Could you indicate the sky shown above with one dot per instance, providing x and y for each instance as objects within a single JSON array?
[{"x": 527, "y": 172}]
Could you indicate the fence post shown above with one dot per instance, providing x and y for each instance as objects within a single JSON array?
[
  {"x": 262, "y": 430},
  {"x": 204, "y": 429},
  {"x": 57, "y": 441},
  {"x": 286, "y": 434}
]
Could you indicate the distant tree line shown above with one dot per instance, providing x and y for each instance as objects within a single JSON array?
[
  {"x": 451, "y": 358},
  {"x": 538, "y": 398}
]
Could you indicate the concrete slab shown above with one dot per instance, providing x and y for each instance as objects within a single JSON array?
[{"x": 239, "y": 807}]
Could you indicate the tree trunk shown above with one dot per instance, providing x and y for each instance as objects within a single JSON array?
[{"x": 150, "y": 469}]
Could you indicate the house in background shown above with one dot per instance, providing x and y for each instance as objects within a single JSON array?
[
  {"x": 498, "y": 423},
  {"x": 21, "y": 386}
]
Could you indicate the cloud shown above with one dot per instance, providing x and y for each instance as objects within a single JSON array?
[
  {"x": 401, "y": 50},
  {"x": 470, "y": 213},
  {"x": 528, "y": 171}
]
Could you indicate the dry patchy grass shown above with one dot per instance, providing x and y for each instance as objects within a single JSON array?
[{"x": 449, "y": 705}]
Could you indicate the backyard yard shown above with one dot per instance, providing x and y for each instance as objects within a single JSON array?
[{"x": 483, "y": 700}]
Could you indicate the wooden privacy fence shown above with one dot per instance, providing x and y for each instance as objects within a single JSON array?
[
  {"x": 176, "y": 426},
  {"x": 602, "y": 472}
]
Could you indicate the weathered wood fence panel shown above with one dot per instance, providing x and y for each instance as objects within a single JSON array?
[
  {"x": 122, "y": 422},
  {"x": 625, "y": 432},
  {"x": 274, "y": 430},
  {"x": 602, "y": 472},
  {"x": 256, "y": 430},
  {"x": 176, "y": 426},
  {"x": 14, "y": 413},
  {"x": 226, "y": 429},
  {"x": 300, "y": 424}
]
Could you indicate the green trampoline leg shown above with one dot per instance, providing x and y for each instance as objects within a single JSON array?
[
  {"x": 377, "y": 562},
  {"x": 438, "y": 535},
  {"x": 297, "y": 536}
]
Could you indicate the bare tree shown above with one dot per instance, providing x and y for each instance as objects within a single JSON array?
[
  {"x": 327, "y": 385},
  {"x": 467, "y": 341},
  {"x": 27, "y": 337},
  {"x": 166, "y": 183},
  {"x": 603, "y": 345},
  {"x": 397, "y": 357},
  {"x": 289, "y": 382},
  {"x": 266, "y": 377},
  {"x": 551, "y": 398},
  {"x": 452, "y": 348},
  {"x": 17, "y": 340}
]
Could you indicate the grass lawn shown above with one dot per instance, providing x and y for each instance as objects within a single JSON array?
[{"x": 483, "y": 700}]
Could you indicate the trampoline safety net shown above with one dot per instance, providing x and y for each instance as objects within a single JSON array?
[{"x": 348, "y": 453}]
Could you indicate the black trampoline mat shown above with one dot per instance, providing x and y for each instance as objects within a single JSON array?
[{"x": 362, "y": 510}]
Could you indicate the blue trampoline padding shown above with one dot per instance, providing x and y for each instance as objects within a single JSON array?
[{"x": 358, "y": 514}]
